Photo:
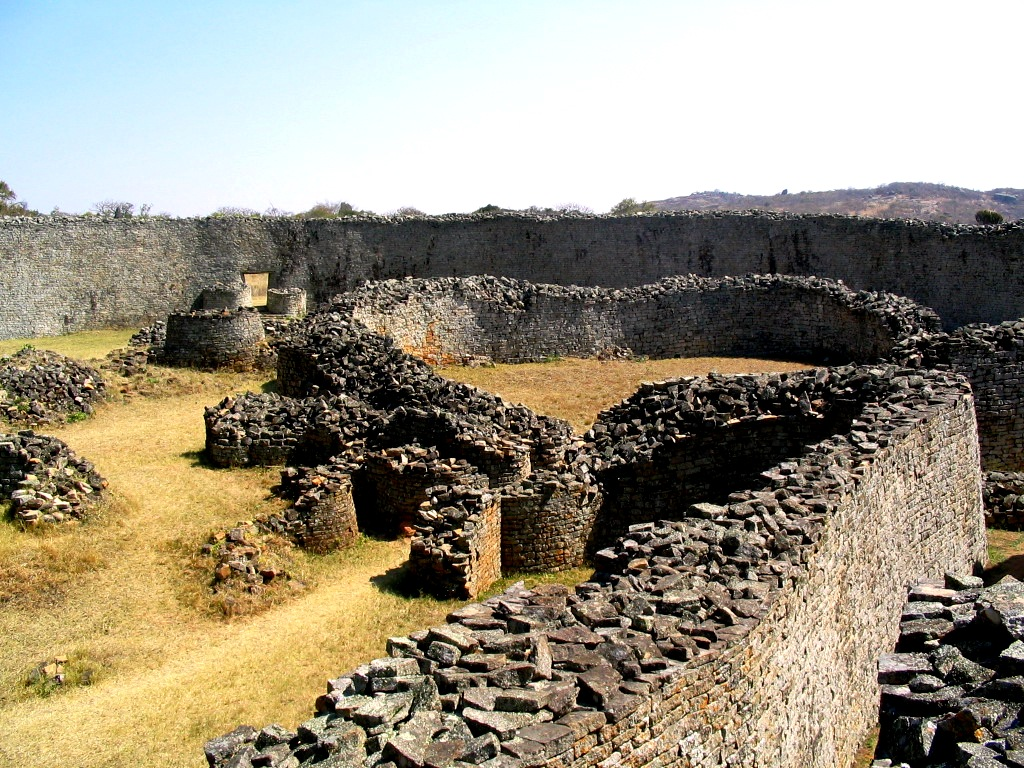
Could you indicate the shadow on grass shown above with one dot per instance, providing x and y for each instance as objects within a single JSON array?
[
  {"x": 398, "y": 581},
  {"x": 1011, "y": 566},
  {"x": 199, "y": 459},
  {"x": 270, "y": 387}
]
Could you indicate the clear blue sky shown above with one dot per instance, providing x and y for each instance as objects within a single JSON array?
[{"x": 450, "y": 105}]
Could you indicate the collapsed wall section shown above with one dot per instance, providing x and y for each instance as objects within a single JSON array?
[{"x": 746, "y": 636}]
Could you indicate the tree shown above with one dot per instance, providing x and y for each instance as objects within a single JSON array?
[
  {"x": 119, "y": 209},
  {"x": 987, "y": 218},
  {"x": 407, "y": 210},
  {"x": 10, "y": 205},
  {"x": 629, "y": 206},
  {"x": 489, "y": 208},
  {"x": 234, "y": 210},
  {"x": 331, "y": 210}
]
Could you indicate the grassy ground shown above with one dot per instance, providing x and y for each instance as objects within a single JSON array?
[
  {"x": 119, "y": 598},
  {"x": 87, "y": 345},
  {"x": 576, "y": 390}
]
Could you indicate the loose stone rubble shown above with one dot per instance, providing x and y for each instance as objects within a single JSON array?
[
  {"x": 701, "y": 606},
  {"x": 1004, "y": 500},
  {"x": 242, "y": 559},
  {"x": 45, "y": 480},
  {"x": 953, "y": 688},
  {"x": 42, "y": 387}
]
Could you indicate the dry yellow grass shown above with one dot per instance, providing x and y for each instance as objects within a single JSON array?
[
  {"x": 117, "y": 596},
  {"x": 87, "y": 345},
  {"x": 172, "y": 674},
  {"x": 576, "y": 390}
]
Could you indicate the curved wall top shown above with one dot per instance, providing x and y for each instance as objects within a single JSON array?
[{"x": 66, "y": 274}]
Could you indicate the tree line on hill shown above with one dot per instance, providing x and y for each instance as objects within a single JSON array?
[{"x": 930, "y": 202}]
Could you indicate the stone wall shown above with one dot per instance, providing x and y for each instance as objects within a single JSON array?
[
  {"x": 286, "y": 301},
  {"x": 456, "y": 319},
  {"x": 992, "y": 358},
  {"x": 213, "y": 338},
  {"x": 129, "y": 272},
  {"x": 743, "y": 634},
  {"x": 222, "y": 296}
]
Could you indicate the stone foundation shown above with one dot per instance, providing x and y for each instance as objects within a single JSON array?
[{"x": 213, "y": 339}]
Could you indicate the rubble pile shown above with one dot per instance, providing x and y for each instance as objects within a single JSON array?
[
  {"x": 45, "y": 480},
  {"x": 241, "y": 558},
  {"x": 1004, "y": 500},
  {"x": 40, "y": 387},
  {"x": 952, "y": 690}
]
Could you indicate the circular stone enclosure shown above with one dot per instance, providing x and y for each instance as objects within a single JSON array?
[
  {"x": 451, "y": 320},
  {"x": 213, "y": 339}
]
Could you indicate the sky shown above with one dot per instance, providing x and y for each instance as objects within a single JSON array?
[{"x": 449, "y": 105}]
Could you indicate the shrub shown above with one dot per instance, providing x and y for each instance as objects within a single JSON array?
[{"x": 988, "y": 218}]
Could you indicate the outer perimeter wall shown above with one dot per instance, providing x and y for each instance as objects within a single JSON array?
[{"x": 67, "y": 274}]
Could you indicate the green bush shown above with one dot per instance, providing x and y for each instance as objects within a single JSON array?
[{"x": 988, "y": 218}]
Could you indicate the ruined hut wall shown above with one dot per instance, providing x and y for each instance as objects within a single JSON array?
[
  {"x": 546, "y": 524},
  {"x": 212, "y": 338},
  {"x": 67, "y": 274},
  {"x": 701, "y": 468},
  {"x": 796, "y": 687}
]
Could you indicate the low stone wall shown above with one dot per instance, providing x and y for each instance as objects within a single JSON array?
[
  {"x": 213, "y": 339},
  {"x": 225, "y": 297},
  {"x": 286, "y": 301},
  {"x": 744, "y": 636},
  {"x": 450, "y": 320},
  {"x": 992, "y": 358},
  {"x": 456, "y": 551}
]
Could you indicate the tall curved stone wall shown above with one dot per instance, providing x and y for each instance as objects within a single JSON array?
[
  {"x": 992, "y": 359},
  {"x": 743, "y": 633},
  {"x": 133, "y": 271},
  {"x": 512, "y": 321}
]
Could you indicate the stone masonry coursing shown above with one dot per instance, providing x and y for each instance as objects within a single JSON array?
[
  {"x": 465, "y": 319},
  {"x": 130, "y": 272},
  {"x": 213, "y": 338},
  {"x": 393, "y": 407},
  {"x": 455, "y": 319},
  {"x": 740, "y": 633},
  {"x": 992, "y": 358}
]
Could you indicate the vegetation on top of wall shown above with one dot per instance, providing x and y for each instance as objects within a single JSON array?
[
  {"x": 628, "y": 206},
  {"x": 986, "y": 217},
  {"x": 10, "y": 205},
  {"x": 120, "y": 209}
]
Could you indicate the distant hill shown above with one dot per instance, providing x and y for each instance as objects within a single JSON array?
[{"x": 907, "y": 200}]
